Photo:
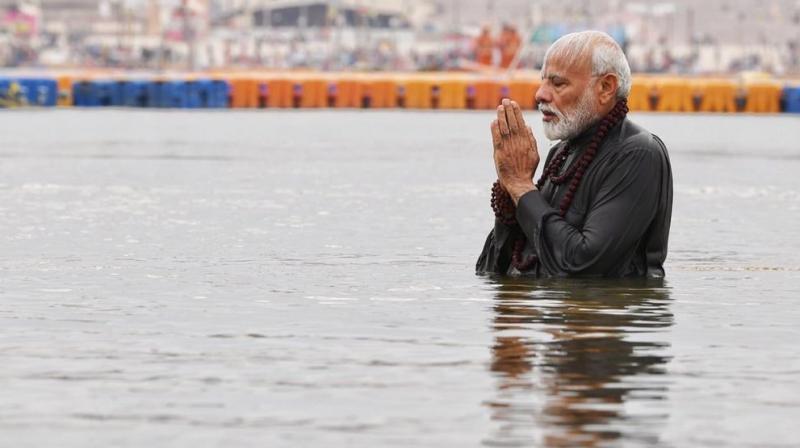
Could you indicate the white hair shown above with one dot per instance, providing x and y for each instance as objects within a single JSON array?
[{"x": 607, "y": 56}]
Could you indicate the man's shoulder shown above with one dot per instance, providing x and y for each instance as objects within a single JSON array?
[{"x": 633, "y": 138}]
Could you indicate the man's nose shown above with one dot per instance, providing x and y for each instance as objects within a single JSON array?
[{"x": 543, "y": 95}]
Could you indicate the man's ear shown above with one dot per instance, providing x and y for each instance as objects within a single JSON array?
[{"x": 607, "y": 86}]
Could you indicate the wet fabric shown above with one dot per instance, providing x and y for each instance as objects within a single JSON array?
[{"x": 618, "y": 223}]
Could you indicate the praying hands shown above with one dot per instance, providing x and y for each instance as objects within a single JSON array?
[{"x": 516, "y": 156}]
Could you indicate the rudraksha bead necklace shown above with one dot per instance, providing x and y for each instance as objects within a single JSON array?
[{"x": 504, "y": 208}]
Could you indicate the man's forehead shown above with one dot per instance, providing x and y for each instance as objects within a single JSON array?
[{"x": 557, "y": 65}]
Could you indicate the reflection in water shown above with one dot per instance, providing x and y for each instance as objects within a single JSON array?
[{"x": 571, "y": 356}]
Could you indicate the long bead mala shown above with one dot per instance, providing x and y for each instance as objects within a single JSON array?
[{"x": 503, "y": 205}]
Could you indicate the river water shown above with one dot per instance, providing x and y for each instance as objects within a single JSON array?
[{"x": 307, "y": 279}]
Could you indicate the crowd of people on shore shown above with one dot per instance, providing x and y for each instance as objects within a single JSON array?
[{"x": 486, "y": 49}]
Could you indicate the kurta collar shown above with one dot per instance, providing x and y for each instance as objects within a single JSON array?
[{"x": 585, "y": 136}]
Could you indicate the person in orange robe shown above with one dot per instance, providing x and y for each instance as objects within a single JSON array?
[
  {"x": 484, "y": 47},
  {"x": 509, "y": 44}
]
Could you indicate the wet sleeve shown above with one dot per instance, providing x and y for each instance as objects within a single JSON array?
[
  {"x": 618, "y": 217},
  {"x": 496, "y": 255}
]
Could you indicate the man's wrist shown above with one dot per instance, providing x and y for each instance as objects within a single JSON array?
[{"x": 516, "y": 191}]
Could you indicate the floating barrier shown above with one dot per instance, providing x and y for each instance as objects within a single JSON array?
[
  {"x": 313, "y": 93},
  {"x": 105, "y": 93},
  {"x": 524, "y": 92},
  {"x": 155, "y": 94},
  {"x": 174, "y": 93},
  {"x": 42, "y": 92},
  {"x": 488, "y": 95},
  {"x": 99, "y": 93},
  {"x": 30, "y": 91},
  {"x": 717, "y": 96},
  {"x": 639, "y": 98},
  {"x": 244, "y": 93},
  {"x": 417, "y": 94},
  {"x": 280, "y": 93},
  {"x": 763, "y": 97},
  {"x": 454, "y": 91},
  {"x": 135, "y": 94},
  {"x": 674, "y": 95},
  {"x": 347, "y": 93},
  {"x": 64, "y": 84},
  {"x": 452, "y": 95},
  {"x": 791, "y": 96},
  {"x": 381, "y": 94},
  {"x": 207, "y": 93}
]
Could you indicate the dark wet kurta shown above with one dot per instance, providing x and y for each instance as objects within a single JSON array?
[{"x": 617, "y": 225}]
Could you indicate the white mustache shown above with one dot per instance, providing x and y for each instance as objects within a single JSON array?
[{"x": 544, "y": 107}]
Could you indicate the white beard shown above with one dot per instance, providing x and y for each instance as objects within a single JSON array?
[{"x": 569, "y": 125}]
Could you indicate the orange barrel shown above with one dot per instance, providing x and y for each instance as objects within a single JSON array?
[
  {"x": 718, "y": 96},
  {"x": 524, "y": 92},
  {"x": 349, "y": 93},
  {"x": 418, "y": 94},
  {"x": 244, "y": 93},
  {"x": 487, "y": 94},
  {"x": 381, "y": 93},
  {"x": 64, "y": 91},
  {"x": 674, "y": 95},
  {"x": 639, "y": 97},
  {"x": 452, "y": 94},
  {"x": 314, "y": 93},
  {"x": 279, "y": 93},
  {"x": 763, "y": 97},
  {"x": 254, "y": 92}
]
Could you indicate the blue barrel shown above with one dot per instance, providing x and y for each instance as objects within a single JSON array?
[
  {"x": 207, "y": 93},
  {"x": 4, "y": 84},
  {"x": 174, "y": 94},
  {"x": 40, "y": 91},
  {"x": 222, "y": 94},
  {"x": 106, "y": 93},
  {"x": 28, "y": 88},
  {"x": 155, "y": 94},
  {"x": 98, "y": 93},
  {"x": 791, "y": 98},
  {"x": 199, "y": 93},
  {"x": 134, "y": 93},
  {"x": 83, "y": 95},
  {"x": 47, "y": 92}
]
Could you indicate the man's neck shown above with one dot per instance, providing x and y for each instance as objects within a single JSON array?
[{"x": 586, "y": 134}]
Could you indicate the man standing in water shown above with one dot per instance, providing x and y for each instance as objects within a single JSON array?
[{"x": 604, "y": 202}]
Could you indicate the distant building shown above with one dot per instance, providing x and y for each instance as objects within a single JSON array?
[
  {"x": 316, "y": 14},
  {"x": 320, "y": 13},
  {"x": 61, "y": 15}
]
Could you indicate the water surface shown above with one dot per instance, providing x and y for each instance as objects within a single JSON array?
[{"x": 306, "y": 279}]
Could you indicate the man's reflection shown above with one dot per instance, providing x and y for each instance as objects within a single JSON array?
[{"x": 573, "y": 356}]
